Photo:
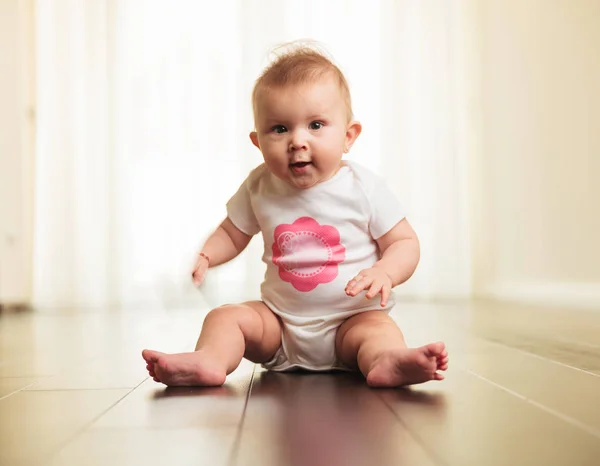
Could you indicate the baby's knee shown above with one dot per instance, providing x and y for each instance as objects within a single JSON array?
[{"x": 228, "y": 313}]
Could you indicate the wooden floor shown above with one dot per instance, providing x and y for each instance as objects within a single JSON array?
[{"x": 523, "y": 389}]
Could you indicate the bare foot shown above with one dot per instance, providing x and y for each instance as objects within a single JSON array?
[
  {"x": 408, "y": 366},
  {"x": 184, "y": 369}
]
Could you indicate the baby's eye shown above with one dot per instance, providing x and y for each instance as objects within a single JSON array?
[
  {"x": 279, "y": 129},
  {"x": 315, "y": 125}
]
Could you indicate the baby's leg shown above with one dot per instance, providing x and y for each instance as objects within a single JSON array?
[
  {"x": 229, "y": 333},
  {"x": 373, "y": 342}
]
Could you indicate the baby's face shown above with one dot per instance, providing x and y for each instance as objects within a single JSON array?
[{"x": 303, "y": 131}]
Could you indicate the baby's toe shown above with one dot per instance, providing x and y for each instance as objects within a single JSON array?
[{"x": 151, "y": 356}]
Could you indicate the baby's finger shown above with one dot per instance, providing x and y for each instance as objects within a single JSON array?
[
  {"x": 385, "y": 295},
  {"x": 351, "y": 283},
  {"x": 358, "y": 284},
  {"x": 374, "y": 290},
  {"x": 198, "y": 277}
]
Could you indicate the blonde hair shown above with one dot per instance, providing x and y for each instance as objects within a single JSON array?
[{"x": 296, "y": 63}]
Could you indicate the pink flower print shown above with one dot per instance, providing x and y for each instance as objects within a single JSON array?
[{"x": 307, "y": 253}]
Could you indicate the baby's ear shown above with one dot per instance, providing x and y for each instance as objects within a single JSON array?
[
  {"x": 352, "y": 132},
  {"x": 254, "y": 139}
]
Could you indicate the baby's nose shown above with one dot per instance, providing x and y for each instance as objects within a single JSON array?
[{"x": 298, "y": 141}]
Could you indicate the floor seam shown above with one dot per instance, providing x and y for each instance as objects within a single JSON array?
[
  {"x": 570, "y": 420},
  {"x": 434, "y": 457},
  {"x": 238, "y": 435},
  {"x": 32, "y": 384},
  {"x": 537, "y": 356},
  {"x": 87, "y": 425}
]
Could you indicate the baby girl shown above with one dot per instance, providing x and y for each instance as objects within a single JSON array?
[{"x": 336, "y": 242}]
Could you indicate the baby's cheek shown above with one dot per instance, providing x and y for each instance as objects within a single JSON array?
[
  {"x": 272, "y": 158},
  {"x": 276, "y": 151}
]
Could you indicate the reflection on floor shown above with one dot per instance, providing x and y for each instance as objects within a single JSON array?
[{"x": 523, "y": 389}]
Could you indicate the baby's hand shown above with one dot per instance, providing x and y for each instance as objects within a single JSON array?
[
  {"x": 200, "y": 269},
  {"x": 375, "y": 279}
]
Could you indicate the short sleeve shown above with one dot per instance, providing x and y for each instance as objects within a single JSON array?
[
  {"x": 240, "y": 211},
  {"x": 386, "y": 210}
]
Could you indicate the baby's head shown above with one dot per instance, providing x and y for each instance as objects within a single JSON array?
[{"x": 303, "y": 117}]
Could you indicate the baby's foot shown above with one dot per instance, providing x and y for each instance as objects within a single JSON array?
[
  {"x": 184, "y": 369},
  {"x": 408, "y": 366}
]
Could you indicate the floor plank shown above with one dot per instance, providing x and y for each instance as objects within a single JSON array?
[
  {"x": 564, "y": 335},
  {"x": 148, "y": 447},
  {"x": 11, "y": 385},
  {"x": 322, "y": 419},
  {"x": 33, "y": 425},
  {"x": 557, "y": 387},
  {"x": 522, "y": 389},
  {"x": 153, "y": 405},
  {"x": 155, "y": 424},
  {"x": 467, "y": 421},
  {"x": 111, "y": 370}
]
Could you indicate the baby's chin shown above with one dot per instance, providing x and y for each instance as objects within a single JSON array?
[
  {"x": 299, "y": 182},
  {"x": 309, "y": 181},
  {"x": 303, "y": 184}
]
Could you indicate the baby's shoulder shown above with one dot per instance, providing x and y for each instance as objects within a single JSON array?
[
  {"x": 256, "y": 177},
  {"x": 366, "y": 179}
]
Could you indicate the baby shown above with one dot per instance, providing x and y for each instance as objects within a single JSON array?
[{"x": 335, "y": 244}]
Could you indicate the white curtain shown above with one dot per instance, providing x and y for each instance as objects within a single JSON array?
[{"x": 143, "y": 121}]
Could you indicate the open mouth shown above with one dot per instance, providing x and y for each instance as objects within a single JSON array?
[
  {"x": 300, "y": 168},
  {"x": 300, "y": 164}
]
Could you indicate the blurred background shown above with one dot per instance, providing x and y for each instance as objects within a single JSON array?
[{"x": 124, "y": 130}]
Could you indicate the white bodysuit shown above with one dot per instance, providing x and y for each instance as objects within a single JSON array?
[{"x": 315, "y": 241}]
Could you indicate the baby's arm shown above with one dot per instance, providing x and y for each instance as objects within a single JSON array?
[
  {"x": 400, "y": 252},
  {"x": 223, "y": 245}
]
